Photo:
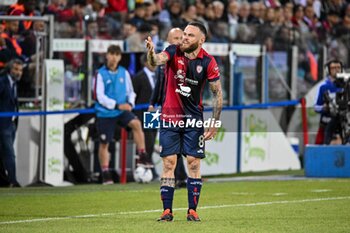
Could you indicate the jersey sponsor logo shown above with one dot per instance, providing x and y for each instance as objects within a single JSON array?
[
  {"x": 184, "y": 90},
  {"x": 191, "y": 81},
  {"x": 199, "y": 68},
  {"x": 180, "y": 75}
]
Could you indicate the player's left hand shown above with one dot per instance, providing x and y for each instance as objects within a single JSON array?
[
  {"x": 149, "y": 44},
  {"x": 210, "y": 133}
]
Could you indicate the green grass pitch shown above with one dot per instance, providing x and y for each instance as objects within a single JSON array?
[{"x": 310, "y": 205}]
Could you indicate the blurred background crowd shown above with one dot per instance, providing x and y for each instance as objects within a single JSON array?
[{"x": 277, "y": 24}]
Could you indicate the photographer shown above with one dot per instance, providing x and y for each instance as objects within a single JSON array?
[{"x": 329, "y": 128}]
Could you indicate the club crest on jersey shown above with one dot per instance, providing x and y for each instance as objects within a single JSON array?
[{"x": 199, "y": 68}]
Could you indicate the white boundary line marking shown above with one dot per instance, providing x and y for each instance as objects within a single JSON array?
[
  {"x": 279, "y": 194},
  {"x": 176, "y": 209},
  {"x": 321, "y": 190}
]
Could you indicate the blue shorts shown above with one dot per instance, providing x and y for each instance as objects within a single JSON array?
[
  {"x": 106, "y": 125},
  {"x": 185, "y": 141}
]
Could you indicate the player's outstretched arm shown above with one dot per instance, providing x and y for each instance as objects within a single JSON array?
[
  {"x": 215, "y": 88},
  {"x": 153, "y": 58}
]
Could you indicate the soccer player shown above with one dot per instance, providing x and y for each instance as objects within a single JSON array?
[
  {"x": 188, "y": 67},
  {"x": 174, "y": 37}
]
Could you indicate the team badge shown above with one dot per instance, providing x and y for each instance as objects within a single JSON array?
[{"x": 199, "y": 68}]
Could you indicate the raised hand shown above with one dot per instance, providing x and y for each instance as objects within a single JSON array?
[
  {"x": 152, "y": 58},
  {"x": 149, "y": 44}
]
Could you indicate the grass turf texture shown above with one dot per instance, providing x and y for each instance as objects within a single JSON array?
[{"x": 312, "y": 205}]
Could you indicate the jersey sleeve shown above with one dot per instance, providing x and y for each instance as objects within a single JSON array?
[
  {"x": 170, "y": 51},
  {"x": 102, "y": 98},
  {"x": 213, "y": 71}
]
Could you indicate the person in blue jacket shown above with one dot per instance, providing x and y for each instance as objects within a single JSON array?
[
  {"x": 325, "y": 95},
  {"x": 115, "y": 99}
]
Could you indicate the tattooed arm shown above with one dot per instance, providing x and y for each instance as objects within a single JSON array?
[
  {"x": 215, "y": 88},
  {"x": 153, "y": 58}
]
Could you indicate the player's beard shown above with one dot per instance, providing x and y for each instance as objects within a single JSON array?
[{"x": 190, "y": 49}]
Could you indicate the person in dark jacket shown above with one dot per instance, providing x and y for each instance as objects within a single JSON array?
[
  {"x": 8, "y": 125},
  {"x": 144, "y": 83}
]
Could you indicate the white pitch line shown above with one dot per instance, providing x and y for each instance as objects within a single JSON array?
[
  {"x": 321, "y": 190},
  {"x": 279, "y": 194},
  {"x": 176, "y": 209}
]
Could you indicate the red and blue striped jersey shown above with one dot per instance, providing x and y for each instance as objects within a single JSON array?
[{"x": 184, "y": 83}]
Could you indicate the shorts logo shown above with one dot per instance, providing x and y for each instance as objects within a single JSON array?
[
  {"x": 151, "y": 120},
  {"x": 199, "y": 69},
  {"x": 103, "y": 137}
]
